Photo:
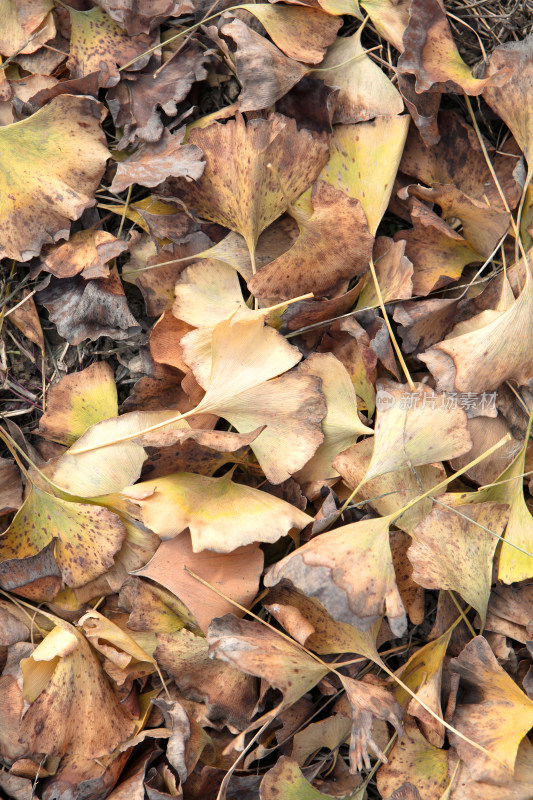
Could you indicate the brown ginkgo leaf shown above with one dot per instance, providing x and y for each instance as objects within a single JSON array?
[
  {"x": 252, "y": 171},
  {"x": 73, "y": 710},
  {"x": 51, "y": 165},
  {"x": 334, "y": 246}
]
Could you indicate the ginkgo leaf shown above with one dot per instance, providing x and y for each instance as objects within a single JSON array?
[
  {"x": 423, "y": 675},
  {"x": 86, "y": 537},
  {"x": 394, "y": 272},
  {"x": 52, "y": 163},
  {"x": 316, "y": 29},
  {"x": 405, "y": 429},
  {"x": 341, "y": 425},
  {"x": 334, "y": 245},
  {"x": 98, "y": 44},
  {"x": 87, "y": 253},
  {"x": 153, "y": 162},
  {"x": 72, "y": 707},
  {"x": 221, "y": 515},
  {"x": 78, "y": 401},
  {"x": 483, "y": 226},
  {"x": 437, "y": 252},
  {"x": 113, "y": 642},
  {"x": 451, "y": 552},
  {"x": 365, "y": 91},
  {"x": 238, "y": 189},
  {"x": 228, "y": 693},
  {"x": 25, "y": 27},
  {"x": 512, "y": 101},
  {"x": 236, "y": 574},
  {"x": 493, "y": 712},
  {"x": 264, "y": 72},
  {"x": 415, "y": 760},
  {"x": 309, "y": 623},
  {"x": 286, "y": 780},
  {"x": 350, "y": 572},
  {"x": 483, "y": 359},
  {"x": 431, "y": 55},
  {"x": 207, "y": 293},
  {"x": 363, "y": 162},
  {"x": 366, "y": 703},
  {"x": 259, "y": 650}
]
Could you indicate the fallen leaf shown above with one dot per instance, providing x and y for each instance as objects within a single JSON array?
[
  {"x": 285, "y": 780},
  {"x": 482, "y": 360},
  {"x": 84, "y": 309},
  {"x": 365, "y": 91},
  {"x": 207, "y": 293},
  {"x": 404, "y": 434},
  {"x": 237, "y": 189},
  {"x": 220, "y": 514},
  {"x": 394, "y": 272},
  {"x": 316, "y": 29},
  {"x": 79, "y": 401},
  {"x": 26, "y": 319},
  {"x": 350, "y": 572},
  {"x": 368, "y": 702},
  {"x": 25, "y": 28},
  {"x": 264, "y": 72},
  {"x": 98, "y": 44},
  {"x": 341, "y": 425},
  {"x": 259, "y": 650},
  {"x": 72, "y": 707},
  {"x": 431, "y": 55},
  {"x": 153, "y": 162},
  {"x": 86, "y": 537},
  {"x": 87, "y": 253},
  {"x": 45, "y": 186},
  {"x": 309, "y": 623},
  {"x": 437, "y": 252},
  {"x": 486, "y": 685},
  {"x": 230, "y": 695},
  {"x": 142, "y": 16},
  {"x": 444, "y": 540},
  {"x": 415, "y": 760},
  {"x": 334, "y": 245},
  {"x": 363, "y": 162},
  {"x": 236, "y": 574}
]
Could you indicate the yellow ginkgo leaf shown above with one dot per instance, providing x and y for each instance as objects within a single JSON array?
[
  {"x": 207, "y": 293},
  {"x": 73, "y": 710},
  {"x": 253, "y": 170},
  {"x": 414, "y": 760},
  {"x": 492, "y": 712},
  {"x": 406, "y": 427},
  {"x": 25, "y": 26},
  {"x": 364, "y": 161},
  {"x": 116, "y": 644},
  {"x": 220, "y": 514},
  {"x": 316, "y": 29},
  {"x": 50, "y": 166},
  {"x": 365, "y": 91},
  {"x": 86, "y": 537},
  {"x": 349, "y": 571},
  {"x": 78, "y": 401},
  {"x": 341, "y": 425},
  {"x": 98, "y": 44},
  {"x": 452, "y": 551}
]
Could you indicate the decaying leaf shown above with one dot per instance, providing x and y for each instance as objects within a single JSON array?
[
  {"x": 501, "y": 730},
  {"x": 87, "y": 253},
  {"x": 286, "y": 779},
  {"x": 86, "y": 536},
  {"x": 415, "y": 760},
  {"x": 238, "y": 189},
  {"x": 334, "y": 246},
  {"x": 350, "y": 572},
  {"x": 72, "y": 707},
  {"x": 52, "y": 163}
]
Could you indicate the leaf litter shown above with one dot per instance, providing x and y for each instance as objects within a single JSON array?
[{"x": 266, "y": 400}]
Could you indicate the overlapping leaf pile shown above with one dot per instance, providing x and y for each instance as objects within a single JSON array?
[{"x": 267, "y": 333}]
